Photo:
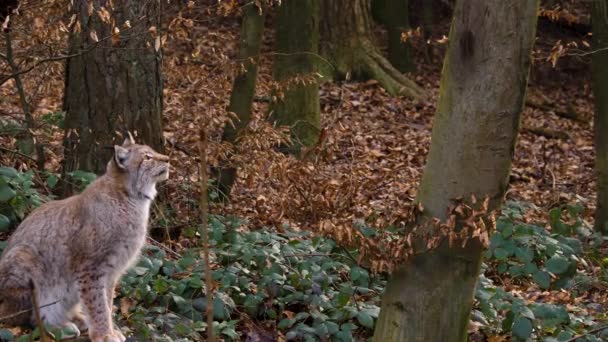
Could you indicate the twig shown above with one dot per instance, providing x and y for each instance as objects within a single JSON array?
[
  {"x": 51, "y": 59},
  {"x": 592, "y": 331},
  {"x": 17, "y": 153},
  {"x": 43, "y": 333},
  {"x": 164, "y": 248},
  {"x": 29, "y": 119},
  {"x": 4, "y": 318},
  {"x": 204, "y": 207}
]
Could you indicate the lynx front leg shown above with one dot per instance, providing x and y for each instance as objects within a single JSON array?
[
  {"x": 111, "y": 289},
  {"x": 94, "y": 299}
]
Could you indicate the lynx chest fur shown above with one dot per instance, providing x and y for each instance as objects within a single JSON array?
[{"x": 71, "y": 253}]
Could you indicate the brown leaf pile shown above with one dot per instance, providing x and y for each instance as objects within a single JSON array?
[{"x": 366, "y": 168}]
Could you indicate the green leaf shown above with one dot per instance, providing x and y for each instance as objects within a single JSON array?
[
  {"x": 8, "y": 172},
  {"x": 365, "y": 319},
  {"x": 501, "y": 253},
  {"x": 522, "y": 328},
  {"x": 524, "y": 254},
  {"x": 5, "y": 224},
  {"x": 550, "y": 315},
  {"x": 542, "y": 278},
  {"x": 286, "y": 323},
  {"x": 6, "y": 192},
  {"x": 51, "y": 181},
  {"x": 557, "y": 264},
  {"x": 6, "y": 335}
]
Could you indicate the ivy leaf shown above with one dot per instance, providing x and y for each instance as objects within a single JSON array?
[
  {"x": 542, "y": 278},
  {"x": 365, "y": 319},
  {"x": 6, "y": 335},
  {"x": 6, "y": 192},
  {"x": 5, "y": 224},
  {"x": 52, "y": 181},
  {"x": 557, "y": 264},
  {"x": 501, "y": 253},
  {"x": 550, "y": 315},
  {"x": 8, "y": 172},
  {"x": 522, "y": 328}
]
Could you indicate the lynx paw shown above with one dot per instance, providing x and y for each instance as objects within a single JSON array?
[
  {"x": 120, "y": 335},
  {"x": 116, "y": 336}
]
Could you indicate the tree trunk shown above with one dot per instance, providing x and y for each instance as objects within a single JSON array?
[
  {"x": 394, "y": 15},
  {"x": 599, "y": 19},
  {"x": 346, "y": 27},
  {"x": 243, "y": 88},
  {"x": 297, "y": 46},
  {"x": 482, "y": 94},
  {"x": 115, "y": 87}
]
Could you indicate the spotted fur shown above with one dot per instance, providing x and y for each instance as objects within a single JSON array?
[{"x": 73, "y": 251}]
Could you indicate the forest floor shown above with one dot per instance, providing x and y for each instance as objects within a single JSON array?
[{"x": 367, "y": 167}]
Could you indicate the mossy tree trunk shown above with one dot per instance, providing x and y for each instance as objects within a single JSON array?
[
  {"x": 599, "y": 12},
  {"x": 297, "y": 47},
  {"x": 243, "y": 88},
  {"x": 394, "y": 15},
  {"x": 116, "y": 86},
  {"x": 482, "y": 94},
  {"x": 346, "y": 27}
]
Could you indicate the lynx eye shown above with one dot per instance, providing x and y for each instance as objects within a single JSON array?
[{"x": 147, "y": 156}]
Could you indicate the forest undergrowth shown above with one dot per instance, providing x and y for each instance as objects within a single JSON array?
[{"x": 284, "y": 266}]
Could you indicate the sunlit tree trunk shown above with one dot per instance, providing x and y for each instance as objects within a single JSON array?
[
  {"x": 482, "y": 93},
  {"x": 600, "y": 80},
  {"x": 346, "y": 29},
  {"x": 115, "y": 86},
  {"x": 394, "y": 15},
  {"x": 297, "y": 47},
  {"x": 243, "y": 88}
]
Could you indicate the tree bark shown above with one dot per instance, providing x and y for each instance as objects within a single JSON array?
[
  {"x": 115, "y": 87},
  {"x": 394, "y": 15},
  {"x": 599, "y": 18},
  {"x": 346, "y": 27},
  {"x": 243, "y": 88},
  {"x": 297, "y": 47},
  {"x": 482, "y": 94}
]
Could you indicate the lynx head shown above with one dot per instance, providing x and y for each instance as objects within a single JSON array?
[{"x": 140, "y": 166}]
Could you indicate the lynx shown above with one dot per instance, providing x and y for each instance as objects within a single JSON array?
[{"x": 70, "y": 253}]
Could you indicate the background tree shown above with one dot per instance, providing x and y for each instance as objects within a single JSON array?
[
  {"x": 243, "y": 88},
  {"x": 394, "y": 15},
  {"x": 346, "y": 27},
  {"x": 599, "y": 11},
  {"x": 295, "y": 69},
  {"x": 115, "y": 87},
  {"x": 475, "y": 127}
]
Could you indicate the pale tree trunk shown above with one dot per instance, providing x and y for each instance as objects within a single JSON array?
[
  {"x": 346, "y": 28},
  {"x": 482, "y": 93},
  {"x": 243, "y": 88},
  {"x": 297, "y": 47},
  {"x": 599, "y": 13},
  {"x": 116, "y": 86}
]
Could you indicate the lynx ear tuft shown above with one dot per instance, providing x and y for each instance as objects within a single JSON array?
[
  {"x": 128, "y": 140},
  {"x": 120, "y": 156}
]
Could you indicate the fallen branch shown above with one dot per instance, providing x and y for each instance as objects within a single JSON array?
[
  {"x": 566, "y": 114},
  {"x": 593, "y": 331},
  {"x": 547, "y": 132}
]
